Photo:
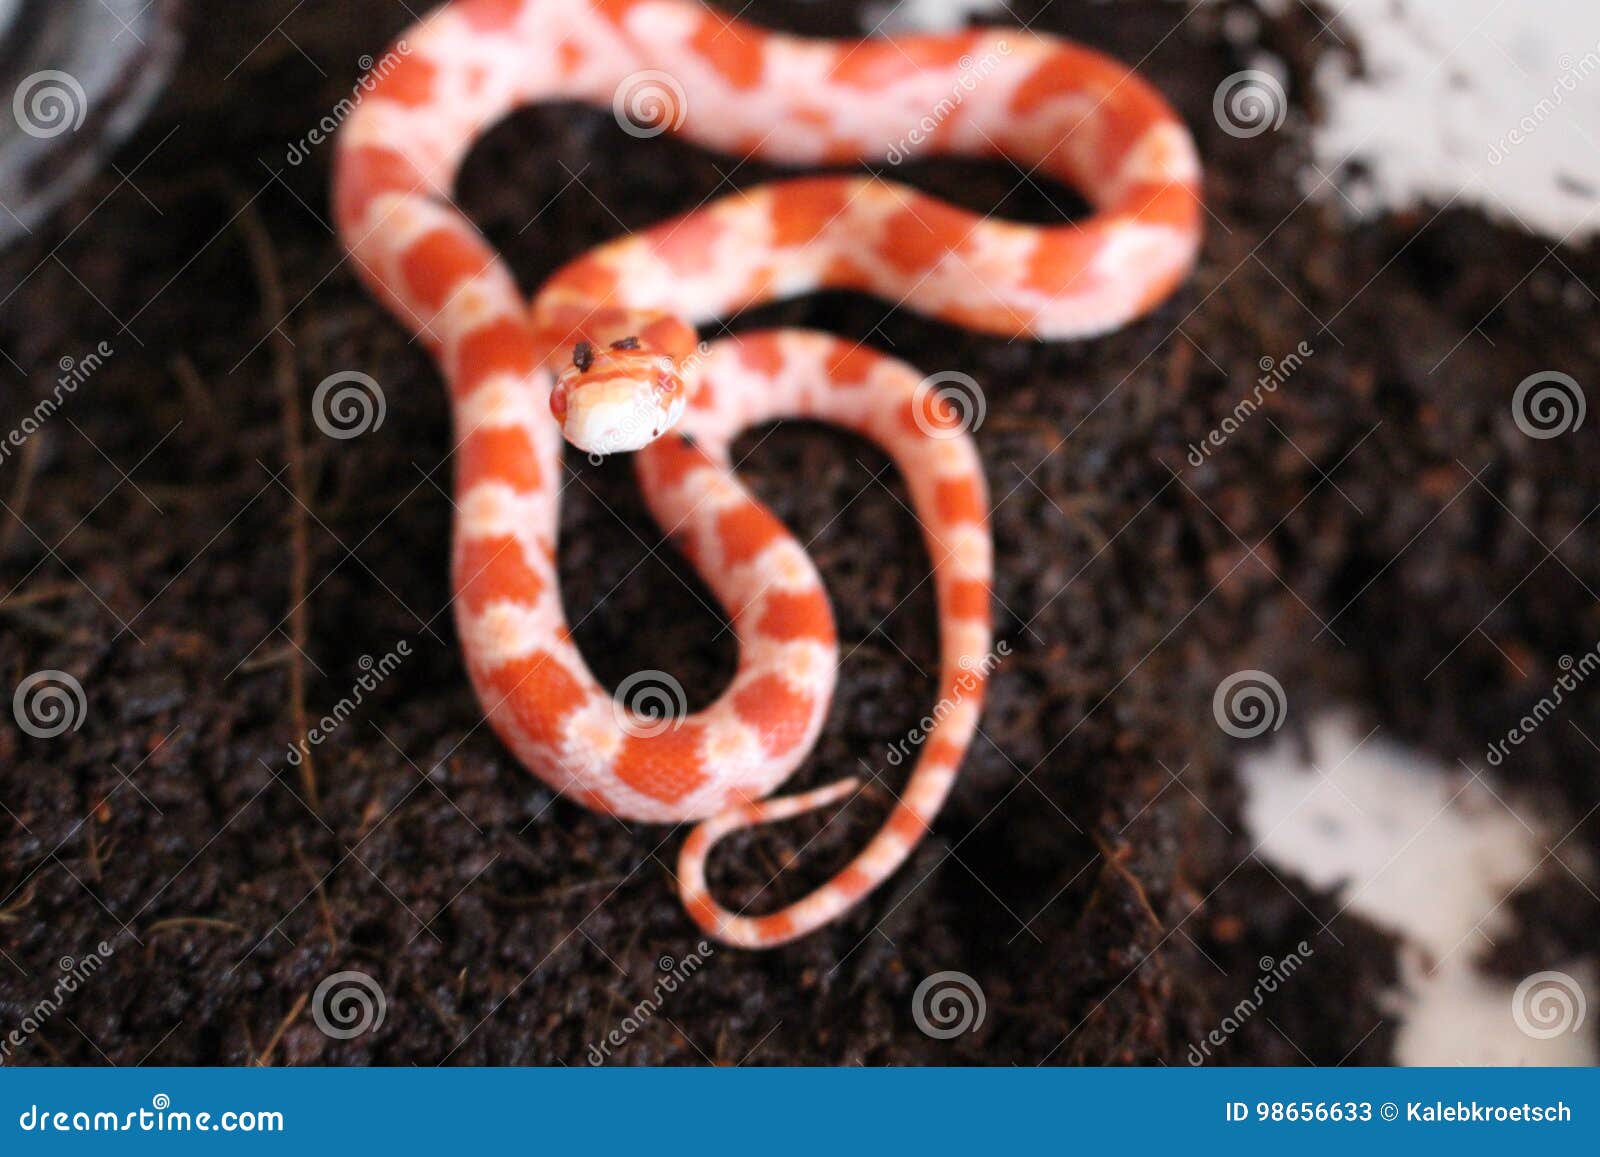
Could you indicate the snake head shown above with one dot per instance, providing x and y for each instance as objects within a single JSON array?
[{"x": 617, "y": 398}]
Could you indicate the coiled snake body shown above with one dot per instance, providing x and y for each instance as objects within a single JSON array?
[{"x": 607, "y": 354}]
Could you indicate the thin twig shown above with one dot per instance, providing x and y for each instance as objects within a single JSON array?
[
  {"x": 195, "y": 390},
  {"x": 38, "y": 593},
  {"x": 1114, "y": 862},
  {"x": 11, "y": 913},
  {"x": 316, "y": 886},
  {"x": 27, "y": 462},
  {"x": 265, "y": 262},
  {"x": 281, "y": 657},
  {"x": 264, "y": 1057}
]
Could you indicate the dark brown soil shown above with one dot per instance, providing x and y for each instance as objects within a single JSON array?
[{"x": 1387, "y": 539}]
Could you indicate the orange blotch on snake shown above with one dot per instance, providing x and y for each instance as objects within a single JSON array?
[
  {"x": 776, "y": 710},
  {"x": 570, "y": 55},
  {"x": 702, "y": 911},
  {"x": 928, "y": 412},
  {"x": 665, "y": 766},
  {"x": 671, "y": 335},
  {"x": 504, "y": 345},
  {"x": 704, "y": 397},
  {"x": 875, "y": 66},
  {"x": 1069, "y": 71},
  {"x": 774, "y": 928},
  {"x": 670, "y": 461},
  {"x": 587, "y": 277},
  {"x": 945, "y": 753},
  {"x": 854, "y": 882},
  {"x": 365, "y": 172},
  {"x": 790, "y": 617},
  {"x": 734, "y": 53},
  {"x": 804, "y": 208},
  {"x": 1173, "y": 204},
  {"x": 917, "y": 237},
  {"x": 499, "y": 454},
  {"x": 851, "y": 365},
  {"x": 745, "y": 531},
  {"x": 410, "y": 82},
  {"x": 907, "y": 825},
  {"x": 761, "y": 354},
  {"x": 540, "y": 694},
  {"x": 843, "y": 273},
  {"x": 958, "y": 500},
  {"x": 438, "y": 262},
  {"x": 492, "y": 570},
  {"x": 969, "y": 599},
  {"x": 1060, "y": 262}
]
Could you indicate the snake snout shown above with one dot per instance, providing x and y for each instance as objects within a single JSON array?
[{"x": 618, "y": 398}]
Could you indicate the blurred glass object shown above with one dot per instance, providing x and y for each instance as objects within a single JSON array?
[{"x": 79, "y": 75}]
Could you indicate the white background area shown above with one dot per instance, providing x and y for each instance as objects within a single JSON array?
[{"x": 1492, "y": 104}]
